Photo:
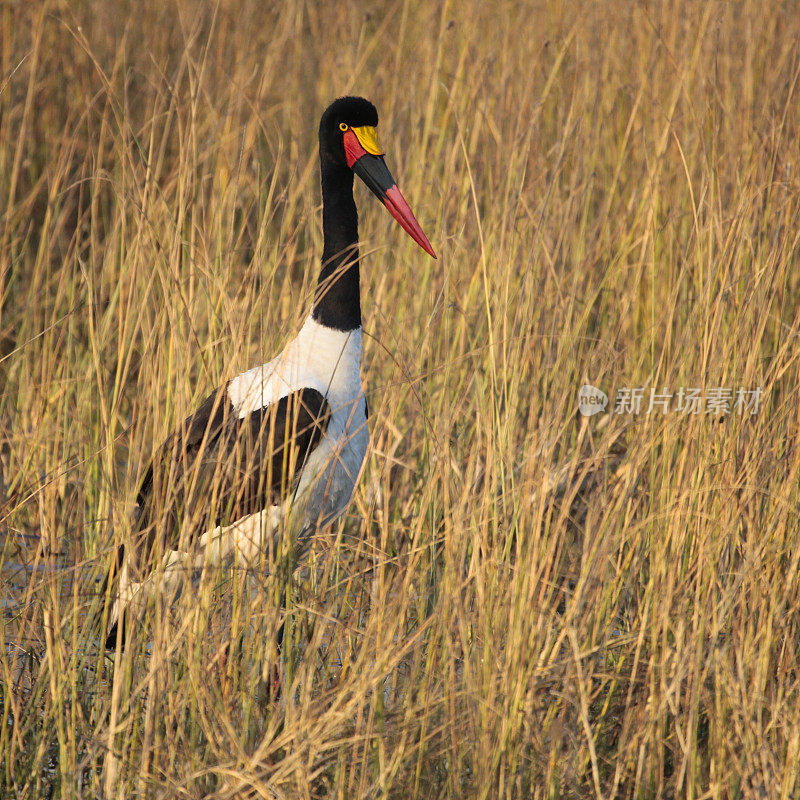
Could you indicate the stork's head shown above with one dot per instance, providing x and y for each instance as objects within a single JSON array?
[{"x": 348, "y": 138}]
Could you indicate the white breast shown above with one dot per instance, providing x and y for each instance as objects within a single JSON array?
[
  {"x": 329, "y": 361},
  {"x": 317, "y": 358}
]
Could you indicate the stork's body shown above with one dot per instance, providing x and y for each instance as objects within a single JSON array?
[{"x": 277, "y": 450}]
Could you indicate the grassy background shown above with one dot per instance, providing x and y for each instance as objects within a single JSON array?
[{"x": 520, "y": 603}]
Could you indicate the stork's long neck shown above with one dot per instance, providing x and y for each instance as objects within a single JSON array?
[{"x": 337, "y": 302}]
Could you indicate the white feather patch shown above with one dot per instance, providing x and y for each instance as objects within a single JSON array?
[{"x": 318, "y": 358}]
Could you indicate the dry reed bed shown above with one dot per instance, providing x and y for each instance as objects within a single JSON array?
[{"x": 519, "y": 604}]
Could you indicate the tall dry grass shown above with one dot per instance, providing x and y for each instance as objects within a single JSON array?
[{"x": 520, "y": 603}]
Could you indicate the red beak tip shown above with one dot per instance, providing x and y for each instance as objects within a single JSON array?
[{"x": 398, "y": 207}]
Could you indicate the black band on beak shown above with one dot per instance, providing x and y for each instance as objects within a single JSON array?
[{"x": 374, "y": 172}]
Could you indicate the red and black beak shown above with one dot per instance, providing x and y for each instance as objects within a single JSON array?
[{"x": 365, "y": 158}]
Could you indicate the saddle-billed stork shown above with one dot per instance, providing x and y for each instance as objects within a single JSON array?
[{"x": 277, "y": 450}]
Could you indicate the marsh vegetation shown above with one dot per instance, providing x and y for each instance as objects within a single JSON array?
[{"x": 521, "y": 602}]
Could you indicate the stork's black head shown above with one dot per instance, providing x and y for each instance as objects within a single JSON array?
[
  {"x": 341, "y": 115},
  {"x": 348, "y": 139}
]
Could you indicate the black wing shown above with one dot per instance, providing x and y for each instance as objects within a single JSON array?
[{"x": 218, "y": 468}]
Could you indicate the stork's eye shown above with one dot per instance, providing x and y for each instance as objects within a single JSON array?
[{"x": 343, "y": 126}]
